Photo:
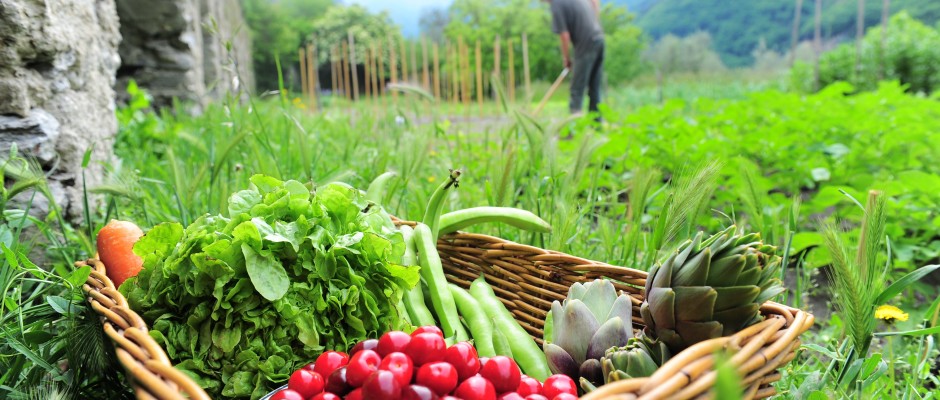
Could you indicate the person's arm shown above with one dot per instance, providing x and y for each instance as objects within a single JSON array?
[{"x": 565, "y": 45}]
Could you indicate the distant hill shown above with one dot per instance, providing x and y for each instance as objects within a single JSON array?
[{"x": 737, "y": 26}]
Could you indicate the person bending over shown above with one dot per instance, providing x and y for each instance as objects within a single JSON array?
[{"x": 576, "y": 22}]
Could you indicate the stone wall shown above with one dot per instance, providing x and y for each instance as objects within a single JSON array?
[
  {"x": 57, "y": 66},
  {"x": 59, "y": 60},
  {"x": 193, "y": 50}
]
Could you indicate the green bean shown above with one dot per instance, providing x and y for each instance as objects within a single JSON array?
[
  {"x": 524, "y": 349},
  {"x": 414, "y": 298},
  {"x": 432, "y": 216},
  {"x": 481, "y": 327},
  {"x": 501, "y": 344},
  {"x": 522, "y": 219},
  {"x": 433, "y": 273},
  {"x": 376, "y": 189}
]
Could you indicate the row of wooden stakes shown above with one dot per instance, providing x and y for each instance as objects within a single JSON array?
[{"x": 454, "y": 83}]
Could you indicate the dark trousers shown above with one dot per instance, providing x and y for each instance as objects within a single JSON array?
[{"x": 588, "y": 65}]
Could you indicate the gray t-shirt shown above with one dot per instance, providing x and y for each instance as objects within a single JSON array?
[{"x": 578, "y": 18}]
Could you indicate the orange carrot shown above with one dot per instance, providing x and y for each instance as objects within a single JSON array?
[{"x": 116, "y": 250}]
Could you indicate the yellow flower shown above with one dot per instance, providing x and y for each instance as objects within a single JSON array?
[
  {"x": 431, "y": 179},
  {"x": 890, "y": 314}
]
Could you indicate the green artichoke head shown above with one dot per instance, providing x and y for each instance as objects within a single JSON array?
[
  {"x": 640, "y": 358},
  {"x": 708, "y": 289},
  {"x": 592, "y": 319}
]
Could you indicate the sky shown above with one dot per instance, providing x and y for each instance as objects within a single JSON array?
[{"x": 405, "y": 13}]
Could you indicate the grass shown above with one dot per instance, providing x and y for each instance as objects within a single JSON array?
[{"x": 622, "y": 193}]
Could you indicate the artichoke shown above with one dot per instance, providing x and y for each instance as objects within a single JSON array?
[
  {"x": 639, "y": 358},
  {"x": 709, "y": 289},
  {"x": 592, "y": 319}
]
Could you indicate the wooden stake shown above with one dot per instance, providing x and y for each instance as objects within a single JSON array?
[
  {"x": 333, "y": 66},
  {"x": 454, "y": 81},
  {"x": 302, "y": 55},
  {"x": 392, "y": 66},
  {"x": 795, "y": 31},
  {"x": 479, "y": 76},
  {"x": 437, "y": 73},
  {"x": 413, "y": 73},
  {"x": 376, "y": 92},
  {"x": 512, "y": 72},
  {"x": 345, "y": 62},
  {"x": 381, "y": 67},
  {"x": 404, "y": 60},
  {"x": 525, "y": 66},
  {"x": 497, "y": 66},
  {"x": 424, "y": 62},
  {"x": 464, "y": 74},
  {"x": 352, "y": 65},
  {"x": 312, "y": 78},
  {"x": 367, "y": 69}
]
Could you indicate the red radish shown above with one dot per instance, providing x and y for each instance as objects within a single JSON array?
[
  {"x": 326, "y": 396},
  {"x": 565, "y": 396},
  {"x": 400, "y": 365},
  {"x": 368, "y": 344},
  {"x": 381, "y": 385},
  {"x": 306, "y": 382},
  {"x": 535, "y": 397},
  {"x": 426, "y": 348},
  {"x": 463, "y": 356},
  {"x": 336, "y": 383},
  {"x": 557, "y": 384},
  {"x": 428, "y": 329},
  {"x": 329, "y": 361},
  {"x": 287, "y": 394},
  {"x": 391, "y": 342},
  {"x": 116, "y": 250},
  {"x": 476, "y": 388},
  {"x": 355, "y": 395},
  {"x": 503, "y": 373},
  {"x": 361, "y": 365},
  {"x": 529, "y": 386},
  {"x": 418, "y": 392},
  {"x": 440, "y": 377},
  {"x": 510, "y": 396}
]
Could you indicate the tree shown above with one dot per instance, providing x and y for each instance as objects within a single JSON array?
[
  {"x": 333, "y": 28},
  {"x": 277, "y": 30},
  {"x": 484, "y": 20},
  {"x": 433, "y": 21}
]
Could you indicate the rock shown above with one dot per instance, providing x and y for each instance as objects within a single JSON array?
[
  {"x": 177, "y": 49},
  {"x": 35, "y": 134},
  {"x": 57, "y": 66}
]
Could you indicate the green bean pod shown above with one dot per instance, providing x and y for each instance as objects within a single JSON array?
[
  {"x": 414, "y": 298},
  {"x": 377, "y": 188},
  {"x": 522, "y": 219},
  {"x": 481, "y": 327},
  {"x": 433, "y": 274},
  {"x": 501, "y": 344},
  {"x": 432, "y": 216},
  {"x": 524, "y": 349}
]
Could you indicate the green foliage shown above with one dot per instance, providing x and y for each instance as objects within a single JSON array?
[
  {"x": 368, "y": 29},
  {"x": 484, "y": 20},
  {"x": 691, "y": 54},
  {"x": 738, "y": 25},
  {"x": 911, "y": 55},
  {"x": 278, "y": 28},
  {"x": 624, "y": 44}
]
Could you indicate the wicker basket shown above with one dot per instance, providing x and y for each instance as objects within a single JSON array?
[{"x": 527, "y": 279}]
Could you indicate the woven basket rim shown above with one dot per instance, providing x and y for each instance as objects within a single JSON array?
[{"x": 765, "y": 346}]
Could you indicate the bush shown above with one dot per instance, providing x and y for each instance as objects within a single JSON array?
[
  {"x": 911, "y": 55},
  {"x": 692, "y": 53}
]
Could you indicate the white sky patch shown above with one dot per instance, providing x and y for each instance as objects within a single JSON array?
[{"x": 405, "y": 13}]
